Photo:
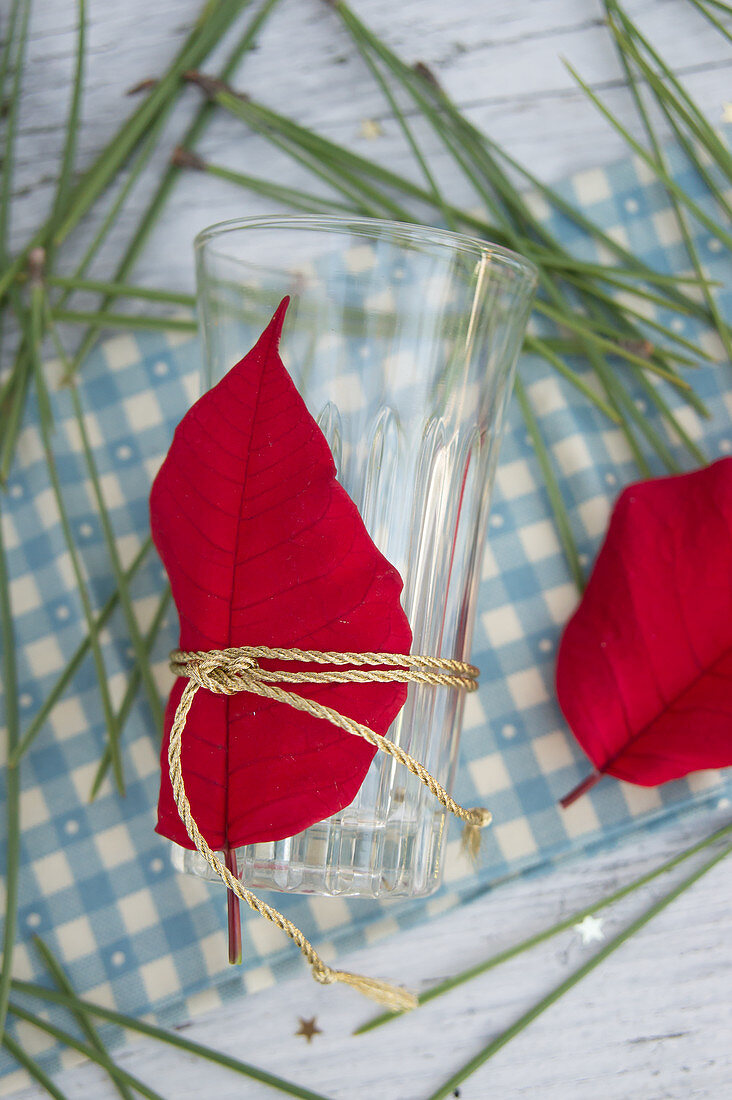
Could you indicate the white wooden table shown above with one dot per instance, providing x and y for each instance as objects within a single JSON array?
[{"x": 655, "y": 1021}]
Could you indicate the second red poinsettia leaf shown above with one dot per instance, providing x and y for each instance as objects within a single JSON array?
[
  {"x": 644, "y": 671},
  {"x": 264, "y": 547}
]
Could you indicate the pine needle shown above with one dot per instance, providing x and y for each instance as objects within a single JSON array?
[
  {"x": 170, "y": 1038},
  {"x": 133, "y": 686},
  {"x": 114, "y": 321},
  {"x": 32, "y": 1068},
  {"x": 45, "y": 428},
  {"x": 83, "y": 1018},
  {"x": 548, "y": 933},
  {"x": 561, "y": 516},
  {"x": 12, "y": 780},
  {"x": 125, "y": 598},
  {"x": 447, "y": 1089},
  {"x": 75, "y": 662},
  {"x": 118, "y": 1075}
]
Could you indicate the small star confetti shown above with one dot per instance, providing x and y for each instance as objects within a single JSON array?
[
  {"x": 371, "y": 129},
  {"x": 590, "y": 929},
  {"x": 308, "y": 1028}
]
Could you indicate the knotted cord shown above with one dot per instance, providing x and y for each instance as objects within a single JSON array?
[{"x": 230, "y": 671}]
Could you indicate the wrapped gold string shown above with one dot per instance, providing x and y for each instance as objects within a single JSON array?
[{"x": 229, "y": 671}]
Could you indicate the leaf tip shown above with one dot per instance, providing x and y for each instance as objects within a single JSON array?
[
  {"x": 270, "y": 338},
  {"x": 278, "y": 319}
]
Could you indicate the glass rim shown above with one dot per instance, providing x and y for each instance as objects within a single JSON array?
[{"x": 373, "y": 228}]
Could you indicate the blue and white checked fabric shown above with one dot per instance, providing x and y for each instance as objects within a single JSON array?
[{"x": 97, "y": 882}]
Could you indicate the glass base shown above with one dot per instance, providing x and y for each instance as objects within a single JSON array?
[{"x": 399, "y": 859}]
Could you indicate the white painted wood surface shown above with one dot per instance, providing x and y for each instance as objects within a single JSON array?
[{"x": 655, "y": 1021}]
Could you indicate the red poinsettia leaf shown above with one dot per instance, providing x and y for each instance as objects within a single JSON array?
[
  {"x": 264, "y": 547},
  {"x": 644, "y": 671}
]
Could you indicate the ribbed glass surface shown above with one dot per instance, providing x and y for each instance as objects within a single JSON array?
[{"x": 402, "y": 341}]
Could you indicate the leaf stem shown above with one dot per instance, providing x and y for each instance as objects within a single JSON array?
[
  {"x": 233, "y": 913},
  {"x": 586, "y": 785}
]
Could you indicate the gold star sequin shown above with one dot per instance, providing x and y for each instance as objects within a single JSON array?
[
  {"x": 371, "y": 129},
  {"x": 308, "y": 1028}
]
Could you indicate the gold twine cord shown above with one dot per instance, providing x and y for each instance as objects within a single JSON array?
[{"x": 229, "y": 671}]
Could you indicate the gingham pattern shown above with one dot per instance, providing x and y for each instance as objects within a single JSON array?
[{"x": 96, "y": 880}]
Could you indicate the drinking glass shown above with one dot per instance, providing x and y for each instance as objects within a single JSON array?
[{"x": 402, "y": 341}]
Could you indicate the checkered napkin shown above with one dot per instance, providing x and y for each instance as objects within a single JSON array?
[{"x": 96, "y": 880}]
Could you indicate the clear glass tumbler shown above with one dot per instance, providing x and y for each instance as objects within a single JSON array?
[{"x": 402, "y": 341}]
